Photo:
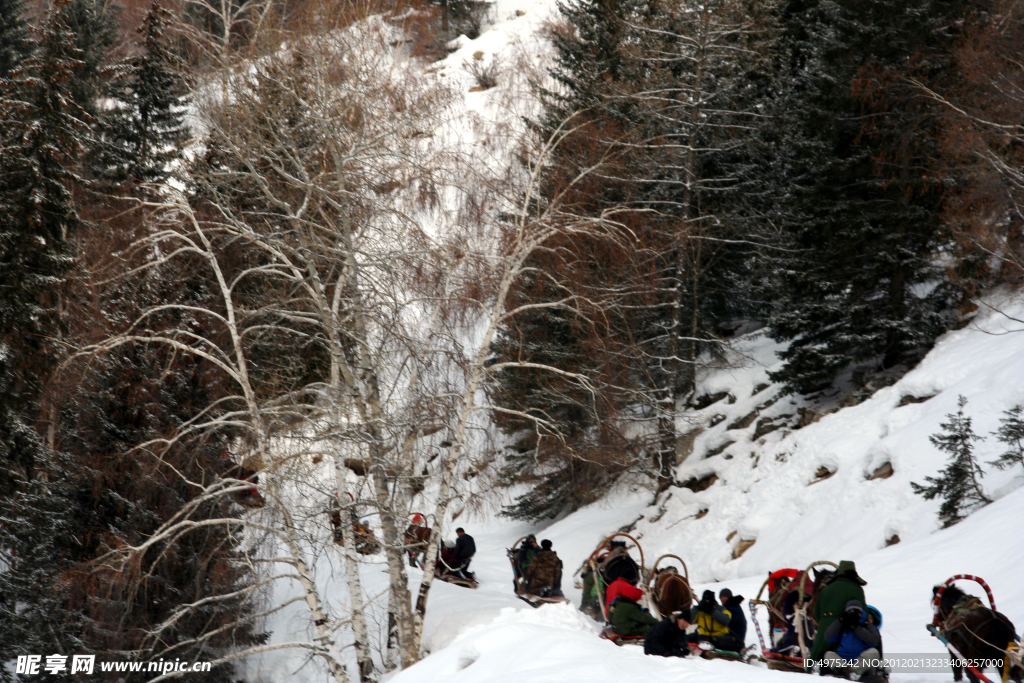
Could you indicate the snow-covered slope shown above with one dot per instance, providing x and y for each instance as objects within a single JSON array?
[
  {"x": 557, "y": 643},
  {"x": 768, "y": 490}
]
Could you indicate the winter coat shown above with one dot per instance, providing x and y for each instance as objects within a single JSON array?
[
  {"x": 711, "y": 618},
  {"x": 622, "y": 587},
  {"x": 829, "y": 606},
  {"x": 666, "y": 639},
  {"x": 545, "y": 571},
  {"x": 526, "y": 553},
  {"x": 850, "y": 642},
  {"x": 465, "y": 548},
  {"x": 738, "y": 622},
  {"x": 628, "y": 619}
]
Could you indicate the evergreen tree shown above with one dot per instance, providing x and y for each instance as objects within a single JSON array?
[
  {"x": 859, "y": 193},
  {"x": 14, "y": 38},
  {"x": 1011, "y": 433},
  {"x": 958, "y": 484},
  {"x": 94, "y": 27},
  {"x": 146, "y": 130},
  {"x": 42, "y": 130}
]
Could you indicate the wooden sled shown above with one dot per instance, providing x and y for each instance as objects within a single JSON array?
[
  {"x": 537, "y": 600},
  {"x": 457, "y": 580},
  {"x": 611, "y": 635}
]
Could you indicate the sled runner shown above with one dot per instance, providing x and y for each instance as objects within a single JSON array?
[{"x": 611, "y": 635}]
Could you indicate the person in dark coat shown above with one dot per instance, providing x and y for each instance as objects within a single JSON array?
[
  {"x": 545, "y": 572},
  {"x": 526, "y": 552},
  {"x": 831, "y": 603},
  {"x": 465, "y": 549},
  {"x": 628, "y": 618},
  {"x": 669, "y": 638},
  {"x": 737, "y": 620}
]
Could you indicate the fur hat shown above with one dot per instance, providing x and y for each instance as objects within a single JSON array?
[{"x": 849, "y": 569}]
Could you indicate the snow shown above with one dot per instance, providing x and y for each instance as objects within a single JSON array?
[{"x": 794, "y": 522}]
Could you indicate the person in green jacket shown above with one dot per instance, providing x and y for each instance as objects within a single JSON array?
[
  {"x": 629, "y": 619},
  {"x": 832, "y": 601}
]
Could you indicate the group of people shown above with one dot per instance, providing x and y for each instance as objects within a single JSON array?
[
  {"x": 539, "y": 569},
  {"x": 710, "y": 624},
  {"x": 847, "y": 641}
]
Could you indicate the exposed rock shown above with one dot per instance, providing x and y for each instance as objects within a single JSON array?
[
  {"x": 807, "y": 417},
  {"x": 697, "y": 485},
  {"x": 702, "y": 402},
  {"x": 716, "y": 419},
  {"x": 701, "y": 513},
  {"x": 908, "y": 399},
  {"x": 769, "y": 424},
  {"x": 759, "y": 388},
  {"x": 684, "y": 444},
  {"x": 741, "y": 547},
  {"x": 731, "y": 399},
  {"x": 853, "y": 399},
  {"x": 744, "y": 422},
  {"x": 717, "y": 451},
  {"x": 770, "y": 402},
  {"x": 822, "y": 474},
  {"x": 731, "y": 536},
  {"x": 883, "y": 471},
  {"x": 892, "y": 540}
]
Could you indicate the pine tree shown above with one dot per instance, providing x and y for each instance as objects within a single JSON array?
[
  {"x": 146, "y": 130},
  {"x": 1011, "y": 433},
  {"x": 94, "y": 27},
  {"x": 859, "y": 194},
  {"x": 42, "y": 130},
  {"x": 14, "y": 37},
  {"x": 958, "y": 484}
]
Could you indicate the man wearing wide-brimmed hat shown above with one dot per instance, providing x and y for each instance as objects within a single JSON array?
[{"x": 829, "y": 606}]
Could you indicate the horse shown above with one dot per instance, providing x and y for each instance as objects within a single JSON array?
[
  {"x": 671, "y": 591},
  {"x": 416, "y": 538},
  {"x": 976, "y": 631}
]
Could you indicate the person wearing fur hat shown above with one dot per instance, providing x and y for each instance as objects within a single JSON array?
[{"x": 831, "y": 603}]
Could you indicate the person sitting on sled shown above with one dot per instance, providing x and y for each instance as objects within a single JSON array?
[
  {"x": 738, "y": 621},
  {"x": 626, "y": 615},
  {"x": 669, "y": 637},
  {"x": 855, "y": 639},
  {"x": 526, "y": 552},
  {"x": 713, "y": 624},
  {"x": 544, "y": 577},
  {"x": 465, "y": 549}
]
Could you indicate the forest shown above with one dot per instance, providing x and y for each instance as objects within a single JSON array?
[{"x": 256, "y": 271}]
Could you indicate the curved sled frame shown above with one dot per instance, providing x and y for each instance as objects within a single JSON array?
[
  {"x": 752, "y": 606},
  {"x": 686, "y": 572},
  {"x": 649, "y": 587},
  {"x": 937, "y": 600},
  {"x": 597, "y": 574}
]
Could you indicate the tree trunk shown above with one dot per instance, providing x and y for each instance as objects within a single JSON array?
[{"x": 355, "y": 583}]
